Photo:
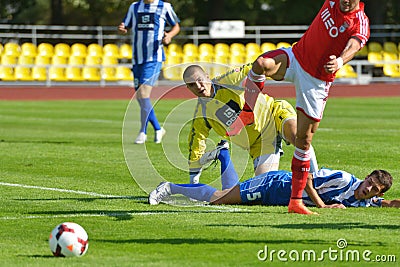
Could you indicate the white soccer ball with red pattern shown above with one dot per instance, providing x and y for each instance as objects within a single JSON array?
[{"x": 68, "y": 240}]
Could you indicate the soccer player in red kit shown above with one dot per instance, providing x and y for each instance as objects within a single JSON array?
[{"x": 337, "y": 33}]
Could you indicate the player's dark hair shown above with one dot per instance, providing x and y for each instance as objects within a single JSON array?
[
  {"x": 384, "y": 178},
  {"x": 190, "y": 70}
]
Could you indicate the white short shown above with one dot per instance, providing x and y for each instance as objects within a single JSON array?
[
  {"x": 268, "y": 162},
  {"x": 311, "y": 93}
]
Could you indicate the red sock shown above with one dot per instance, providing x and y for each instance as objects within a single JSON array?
[{"x": 300, "y": 171}]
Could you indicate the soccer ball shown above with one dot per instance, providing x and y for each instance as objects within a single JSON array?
[{"x": 68, "y": 240}]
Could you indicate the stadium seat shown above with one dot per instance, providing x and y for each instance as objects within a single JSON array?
[
  {"x": 237, "y": 49},
  {"x": 374, "y": 47},
  {"x": 190, "y": 50},
  {"x": 79, "y": 50},
  {"x": 95, "y": 50},
  {"x": 6, "y": 73},
  {"x": 123, "y": 73},
  {"x": 62, "y": 50},
  {"x": 220, "y": 66},
  {"x": 8, "y": 60},
  {"x": 29, "y": 49},
  {"x": 92, "y": 60},
  {"x": 390, "y": 47},
  {"x": 1, "y": 48},
  {"x": 58, "y": 60},
  {"x": 42, "y": 60},
  {"x": 253, "y": 50},
  {"x": 171, "y": 71},
  {"x": 206, "y": 49},
  {"x": 390, "y": 69},
  {"x": 91, "y": 74},
  {"x": 76, "y": 61},
  {"x": 45, "y": 50},
  {"x": 190, "y": 58},
  {"x": 12, "y": 49},
  {"x": 221, "y": 49},
  {"x": 347, "y": 71},
  {"x": 23, "y": 71},
  {"x": 74, "y": 74},
  {"x": 57, "y": 74},
  {"x": 363, "y": 52},
  {"x": 174, "y": 49},
  {"x": 375, "y": 57},
  {"x": 237, "y": 60},
  {"x": 125, "y": 51},
  {"x": 267, "y": 46},
  {"x": 283, "y": 45},
  {"x": 111, "y": 50},
  {"x": 39, "y": 73},
  {"x": 109, "y": 68}
]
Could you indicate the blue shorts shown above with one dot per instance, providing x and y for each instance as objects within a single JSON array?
[
  {"x": 146, "y": 73},
  {"x": 271, "y": 188}
]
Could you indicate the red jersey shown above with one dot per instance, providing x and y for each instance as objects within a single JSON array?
[{"x": 328, "y": 35}]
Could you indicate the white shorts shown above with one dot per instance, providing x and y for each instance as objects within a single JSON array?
[
  {"x": 311, "y": 93},
  {"x": 269, "y": 162}
]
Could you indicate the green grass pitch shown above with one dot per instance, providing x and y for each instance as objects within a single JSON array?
[{"x": 65, "y": 161}]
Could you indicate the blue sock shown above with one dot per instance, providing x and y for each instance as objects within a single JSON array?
[
  {"x": 147, "y": 114},
  {"x": 229, "y": 177},
  {"x": 200, "y": 192}
]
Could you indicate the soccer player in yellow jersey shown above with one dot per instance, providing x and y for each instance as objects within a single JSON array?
[{"x": 220, "y": 101}]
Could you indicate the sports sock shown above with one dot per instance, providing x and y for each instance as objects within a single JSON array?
[
  {"x": 229, "y": 177},
  {"x": 147, "y": 114},
  {"x": 201, "y": 192},
  {"x": 253, "y": 86},
  {"x": 313, "y": 160},
  {"x": 300, "y": 169}
]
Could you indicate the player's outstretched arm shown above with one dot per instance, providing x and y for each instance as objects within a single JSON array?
[
  {"x": 312, "y": 193},
  {"x": 391, "y": 203}
]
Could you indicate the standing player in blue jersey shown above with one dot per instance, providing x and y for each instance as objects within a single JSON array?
[
  {"x": 147, "y": 20},
  {"x": 325, "y": 188}
]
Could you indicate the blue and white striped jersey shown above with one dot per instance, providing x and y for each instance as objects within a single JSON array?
[
  {"x": 335, "y": 186},
  {"x": 147, "y": 23}
]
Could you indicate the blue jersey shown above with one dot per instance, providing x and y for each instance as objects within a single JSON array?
[
  {"x": 333, "y": 186},
  {"x": 148, "y": 22}
]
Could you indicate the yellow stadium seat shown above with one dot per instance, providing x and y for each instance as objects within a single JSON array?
[
  {"x": 95, "y": 50},
  {"x": 12, "y": 49},
  {"x": 374, "y": 47},
  {"x": 237, "y": 60},
  {"x": 125, "y": 51},
  {"x": 78, "y": 49},
  {"x": 57, "y": 60},
  {"x": 91, "y": 74},
  {"x": 206, "y": 49},
  {"x": 109, "y": 69},
  {"x": 390, "y": 69},
  {"x": 6, "y": 73},
  {"x": 39, "y": 73},
  {"x": 74, "y": 74},
  {"x": 1, "y": 48},
  {"x": 26, "y": 60},
  {"x": 363, "y": 52},
  {"x": 190, "y": 49},
  {"x": 111, "y": 50},
  {"x": 92, "y": 60},
  {"x": 8, "y": 60},
  {"x": 57, "y": 74},
  {"x": 123, "y": 73},
  {"x": 267, "y": 46},
  {"x": 375, "y": 57},
  {"x": 42, "y": 60},
  {"x": 390, "y": 47},
  {"x": 23, "y": 73},
  {"x": 62, "y": 50},
  {"x": 45, "y": 50},
  {"x": 347, "y": 71},
  {"x": 283, "y": 45},
  {"x": 172, "y": 70},
  {"x": 237, "y": 49},
  {"x": 253, "y": 50},
  {"x": 28, "y": 49},
  {"x": 174, "y": 49},
  {"x": 221, "y": 49},
  {"x": 221, "y": 65},
  {"x": 190, "y": 58},
  {"x": 76, "y": 61}
]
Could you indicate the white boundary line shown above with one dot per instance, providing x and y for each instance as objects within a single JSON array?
[{"x": 101, "y": 214}]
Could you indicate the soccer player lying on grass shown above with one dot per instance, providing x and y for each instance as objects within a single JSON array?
[{"x": 325, "y": 188}]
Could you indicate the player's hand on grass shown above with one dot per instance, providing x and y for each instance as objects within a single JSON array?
[{"x": 334, "y": 206}]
